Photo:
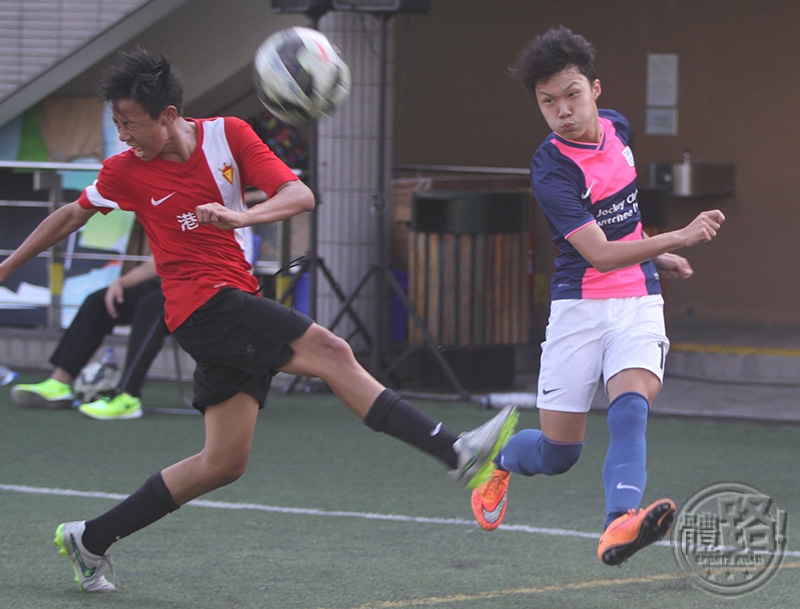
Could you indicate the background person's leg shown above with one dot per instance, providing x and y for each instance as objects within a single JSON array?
[
  {"x": 86, "y": 333},
  {"x": 148, "y": 331}
]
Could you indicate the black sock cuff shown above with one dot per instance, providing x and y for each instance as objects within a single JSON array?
[
  {"x": 160, "y": 492},
  {"x": 380, "y": 409}
]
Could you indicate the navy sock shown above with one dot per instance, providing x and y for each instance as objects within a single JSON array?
[
  {"x": 529, "y": 452},
  {"x": 393, "y": 415},
  {"x": 624, "y": 471},
  {"x": 149, "y": 503}
]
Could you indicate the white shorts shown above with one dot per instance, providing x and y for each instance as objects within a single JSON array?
[{"x": 592, "y": 337}]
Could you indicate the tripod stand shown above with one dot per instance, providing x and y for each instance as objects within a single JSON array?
[
  {"x": 312, "y": 261},
  {"x": 381, "y": 271}
]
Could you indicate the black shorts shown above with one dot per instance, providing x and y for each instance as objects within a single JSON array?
[{"x": 239, "y": 341}]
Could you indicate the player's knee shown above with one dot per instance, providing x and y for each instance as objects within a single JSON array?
[
  {"x": 529, "y": 453},
  {"x": 559, "y": 457},
  {"x": 628, "y": 411},
  {"x": 340, "y": 348},
  {"x": 221, "y": 472},
  {"x": 330, "y": 348},
  {"x": 95, "y": 303},
  {"x": 230, "y": 473}
]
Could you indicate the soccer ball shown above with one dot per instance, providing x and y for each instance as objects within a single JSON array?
[
  {"x": 299, "y": 75},
  {"x": 96, "y": 380}
]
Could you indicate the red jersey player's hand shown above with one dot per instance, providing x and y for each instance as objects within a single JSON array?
[{"x": 219, "y": 216}]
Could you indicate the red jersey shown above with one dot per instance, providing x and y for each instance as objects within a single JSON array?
[{"x": 193, "y": 261}]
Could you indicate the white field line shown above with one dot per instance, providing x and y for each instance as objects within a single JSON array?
[{"x": 257, "y": 507}]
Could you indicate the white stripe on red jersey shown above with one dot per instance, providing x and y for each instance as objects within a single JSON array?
[{"x": 194, "y": 261}]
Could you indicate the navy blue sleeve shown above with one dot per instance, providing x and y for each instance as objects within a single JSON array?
[
  {"x": 557, "y": 183},
  {"x": 621, "y": 124}
]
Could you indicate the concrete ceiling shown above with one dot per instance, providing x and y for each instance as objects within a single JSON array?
[{"x": 211, "y": 43}]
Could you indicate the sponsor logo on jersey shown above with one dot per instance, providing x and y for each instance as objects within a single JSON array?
[{"x": 158, "y": 202}]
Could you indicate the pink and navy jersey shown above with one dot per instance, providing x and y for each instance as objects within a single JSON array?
[
  {"x": 577, "y": 184},
  {"x": 193, "y": 260}
]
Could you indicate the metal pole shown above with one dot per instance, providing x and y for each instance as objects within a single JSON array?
[
  {"x": 380, "y": 203},
  {"x": 313, "y": 184},
  {"x": 313, "y": 221}
]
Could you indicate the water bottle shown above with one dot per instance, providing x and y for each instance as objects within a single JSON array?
[
  {"x": 682, "y": 178},
  {"x": 97, "y": 378},
  {"x": 7, "y": 375},
  {"x": 110, "y": 359},
  {"x": 501, "y": 400}
]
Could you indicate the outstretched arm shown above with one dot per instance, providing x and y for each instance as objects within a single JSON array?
[
  {"x": 605, "y": 255},
  {"x": 55, "y": 227}
]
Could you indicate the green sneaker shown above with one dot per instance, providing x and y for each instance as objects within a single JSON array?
[
  {"x": 121, "y": 406},
  {"x": 47, "y": 394}
]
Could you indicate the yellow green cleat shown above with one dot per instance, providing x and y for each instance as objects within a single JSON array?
[
  {"x": 88, "y": 567},
  {"x": 477, "y": 449}
]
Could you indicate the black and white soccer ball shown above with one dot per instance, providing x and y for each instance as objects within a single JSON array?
[
  {"x": 300, "y": 75},
  {"x": 95, "y": 381}
]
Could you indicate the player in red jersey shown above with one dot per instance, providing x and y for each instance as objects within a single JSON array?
[{"x": 184, "y": 179}]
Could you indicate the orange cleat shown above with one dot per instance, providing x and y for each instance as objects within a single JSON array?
[
  {"x": 633, "y": 531},
  {"x": 490, "y": 499}
]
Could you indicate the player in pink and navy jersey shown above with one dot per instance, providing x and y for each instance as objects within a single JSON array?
[
  {"x": 578, "y": 184},
  {"x": 184, "y": 179},
  {"x": 606, "y": 315}
]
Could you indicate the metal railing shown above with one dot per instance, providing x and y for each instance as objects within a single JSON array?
[
  {"x": 48, "y": 176},
  {"x": 466, "y": 169}
]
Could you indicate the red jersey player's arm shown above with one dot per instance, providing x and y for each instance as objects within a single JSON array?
[
  {"x": 55, "y": 227},
  {"x": 290, "y": 199}
]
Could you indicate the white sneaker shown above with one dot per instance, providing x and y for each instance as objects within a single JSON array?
[
  {"x": 88, "y": 567},
  {"x": 477, "y": 449}
]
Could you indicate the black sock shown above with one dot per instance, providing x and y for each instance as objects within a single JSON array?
[
  {"x": 149, "y": 503},
  {"x": 395, "y": 416}
]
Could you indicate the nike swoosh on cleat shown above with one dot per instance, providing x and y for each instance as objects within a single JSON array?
[
  {"x": 492, "y": 516},
  {"x": 87, "y": 572},
  {"x": 436, "y": 429},
  {"x": 469, "y": 464},
  {"x": 623, "y": 487},
  {"x": 158, "y": 202}
]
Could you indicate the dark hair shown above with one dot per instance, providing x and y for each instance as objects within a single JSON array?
[
  {"x": 551, "y": 52},
  {"x": 146, "y": 78}
]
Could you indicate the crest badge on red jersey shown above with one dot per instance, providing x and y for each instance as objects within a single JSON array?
[{"x": 227, "y": 172}]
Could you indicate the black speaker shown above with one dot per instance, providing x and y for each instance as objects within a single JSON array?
[
  {"x": 393, "y": 6},
  {"x": 300, "y": 6}
]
